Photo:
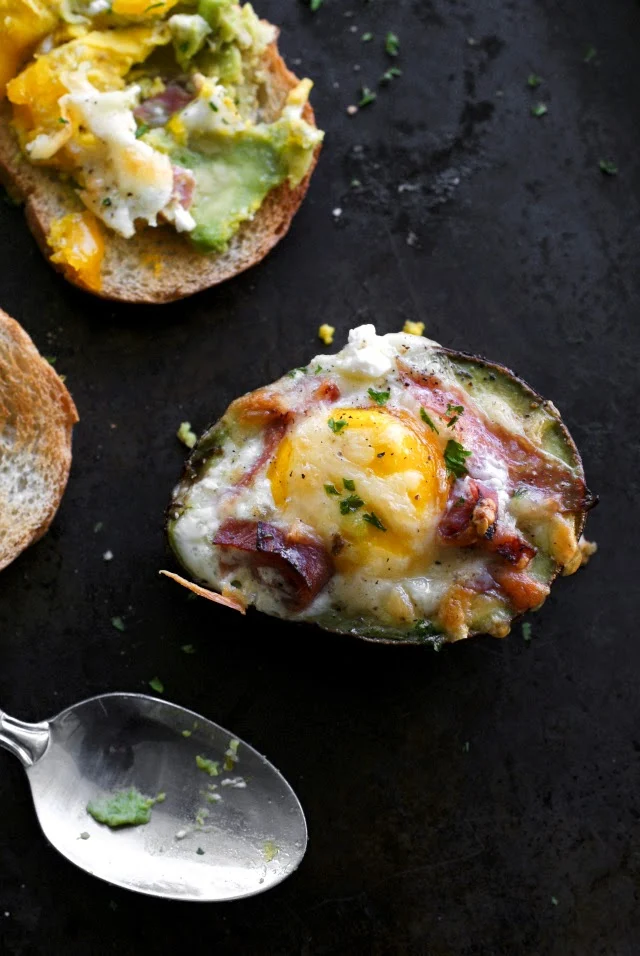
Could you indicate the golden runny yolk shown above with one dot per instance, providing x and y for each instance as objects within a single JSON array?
[
  {"x": 78, "y": 245},
  {"x": 398, "y": 473}
]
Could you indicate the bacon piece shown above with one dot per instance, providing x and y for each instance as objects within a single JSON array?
[
  {"x": 327, "y": 391},
  {"x": 204, "y": 592},
  {"x": 273, "y": 435},
  {"x": 472, "y": 519},
  {"x": 156, "y": 110},
  {"x": 302, "y": 561},
  {"x": 526, "y": 463},
  {"x": 184, "y": 184},
  {"x": 521, "y": 589}
]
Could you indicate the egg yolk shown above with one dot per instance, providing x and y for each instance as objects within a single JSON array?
[
  {"x": 23, "y": 23},
  {"x": 372, "y": 484},
  {"x": 78, "y": 245}
]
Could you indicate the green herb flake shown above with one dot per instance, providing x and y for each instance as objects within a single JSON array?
[
  {"x": 315, "y": 5},
  {"x": 534, "y": 81},
  {"x": 425, "y": 418},
  {"x": 154, "y": 6},
  {"x": 554, "y": 900},
  {"x": 98, "y": 526},
  {"x": 367, "y": 96},
  {"x": 380, "y": 398},
  {"x": 188, "y": 649},
  {"x": 63, "y": 121},
  {"x": 608, "y": 168},
  {"x": 142, "y": 129},
  {"x": 454, "y": 458},
  {"x": 294, "y": 371},
  {"x": 349, "y": 484},
  {"x": 213, "y": 106},
  {"x": 200, "y": 851},
  {"x": 390, "y": 74},
  {"x": 590, "y": 54},
  {"x": 212, "y": 767},
  {"x": 350, "y": 504},
  {"x": 331, "y": 490},
  {"x": 519, "y": 493},
  {"x": 337, "y": 426},
  {"x": 187, "y": 733},
  {"x": 124, "y": 808},
  {"x": 526, "y": 632},
  {"x": 156, "y": 684},
  {"x": 367, "y": 37},
  {"x": 373, "y": 519},
  {"x": 118, "y": 623},
  {"x": 318, "y": 369},
  {"x": 106, "y": 201},
  {"x": 540, "y": 109},
  {"x": 231, "y": 754},
  {"x": 465, "y": 747},
  {"x": 270, "y": 851},
  {"x": 392, "y": 44},
  {"x": 236, "y": 584},
  {"x": 51, "y": 359}
]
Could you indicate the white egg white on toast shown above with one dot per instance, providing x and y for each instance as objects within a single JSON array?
[{"x": 396, "y": 491}]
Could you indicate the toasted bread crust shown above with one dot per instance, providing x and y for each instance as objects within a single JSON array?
[
  {"x": 37, "y": 416},
  {"x": 157, "y": 265}
]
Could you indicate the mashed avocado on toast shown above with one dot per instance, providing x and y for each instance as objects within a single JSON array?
[{"x": 152, "y": 113}]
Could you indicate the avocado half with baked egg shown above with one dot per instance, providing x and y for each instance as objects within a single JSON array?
[
  {"x": 397, "y": 491},
  {"x": 159, "y": 148}
]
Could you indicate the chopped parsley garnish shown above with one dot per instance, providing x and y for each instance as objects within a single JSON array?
[
  {"x": 142, "y": 129},
  {"x": 465, "y": 747},
  {"x": 62, "y": 120},
  {"x": 212, "y": 767},
  {"x": 608, "y": 168},
  {"x": 427, "y": 633},
  {"x": 390, "y": 74},
  {"x": 349, "y": 484},
  {"x": 590, "y": 54},
  {"x": 231, "y": 754},
  {"x": 392, "y": 44},
  {"x": 457, "y": 411},
  {"x": 315, "y": 5},
  {"x": 454, "y": 458},
  {"x": 106, "y": 201},
  {"x": 373, "y": 519},
  {"x": 154, "y": 6},
  {"x": 212, "y": 106},
  {"x": 156, "y": 684},
  {"x": 331, "y": 490},
  {"x": 294, "y": 371},
  {"x": 337, "y": 426},
  {"x": 367, "y": 96},
  {"x": 350, "y": 504},
  {"x": 318, "y": 369},
  {"x": 118, "y": 623},
  {"x": 539, "y": 109},
  {"x": 534, "y": 81},
  {"x": 519, "y": 493},
  {"x": 380, "y": 398},
  {"x": 188, "y": 649},
  {"x": 200, "y": 851},
  {"x": 366, "y": 37},
  {"x": 526, "y": 631},
  {"x": 425, "y": 418}
]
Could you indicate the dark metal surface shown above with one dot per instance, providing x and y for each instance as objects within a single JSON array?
[{"x": 480, "y": 801}]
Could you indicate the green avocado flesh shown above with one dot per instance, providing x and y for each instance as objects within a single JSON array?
[
  {"x": 232, "y": 180},
  {"x": 123, "y": 808}
]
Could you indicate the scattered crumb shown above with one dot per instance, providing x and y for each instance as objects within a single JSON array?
[
  {"x": 270, "y": 850},
  {"x": 326, "y": 333},
  {"x": 200, "y": 851},
  {"x": 413, "y": 328},
  {"x": 412, "y": 239},
  {"x": 352, "y": 109},
  {"x": 98, "y": 527},
  {"x": 209, "y": 766},
  {"x": 238, "y": 783},
  {"x": 84, "y": 835},
  {"x": 107, "y": 556},
  {"x": 337, "y": 212},
  {"x": 587, "y": 550},
  {"x": 186, "y": 434}
]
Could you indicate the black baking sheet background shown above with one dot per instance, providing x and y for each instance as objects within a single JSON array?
[{"x": 480, "y": 801}]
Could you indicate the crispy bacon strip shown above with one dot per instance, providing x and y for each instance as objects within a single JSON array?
[
  {"x": 156, "y": 110},
  {"x": 302, "y": 561},
  {"x": 204, "y": 592},
  {"x": 184, "y": 184},
  {"x": 522, "y": 590},
  {"x": 525, "y": 462},
  {"x": 472, "y": 519},
  {"x": 273, "y": 435}
]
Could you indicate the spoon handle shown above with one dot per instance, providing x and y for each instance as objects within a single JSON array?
[{"x": 27, "y": 741}]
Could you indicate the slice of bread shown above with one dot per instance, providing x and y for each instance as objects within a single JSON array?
[
  {"x": 157, "y": 264},
  {"x": 37, "y": 416}
]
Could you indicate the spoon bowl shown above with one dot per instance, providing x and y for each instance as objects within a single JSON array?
[{"x": 214, "y": 836}]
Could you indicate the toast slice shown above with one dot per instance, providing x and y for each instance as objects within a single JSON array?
[
  {"x": 157, "y": 264},
  {"x": 37, "y": 416}
]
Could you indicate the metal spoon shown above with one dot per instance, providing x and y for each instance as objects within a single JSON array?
[{"x": 195, "y": 847}]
